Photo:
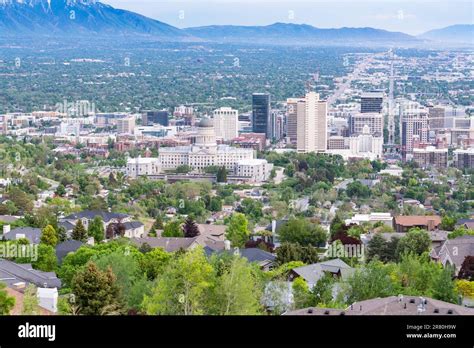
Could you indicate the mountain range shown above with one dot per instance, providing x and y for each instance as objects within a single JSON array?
[{"x": 51, "y": 18}]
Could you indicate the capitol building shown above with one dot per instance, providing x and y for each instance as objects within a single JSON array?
[{"x": 204, "y": 152}]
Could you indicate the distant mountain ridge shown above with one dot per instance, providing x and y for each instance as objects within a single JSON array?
[
  {"x": 299, "y": 33},
  {"x": 92, "y": 18},
  {"x": 453, "y": 33},
  {"x": 77, "y": 17}
]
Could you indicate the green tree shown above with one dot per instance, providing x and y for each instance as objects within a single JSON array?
[
  {"x": 96, "y": 229},
  {"x": 173, "y": 229},
  {"x": 222, "y": 174},
  {"x": 384, "y": 250},
  {"x": 158, "y": 224},
  {"x": 79, "y": 232},
  {"x": 448, "y": 223},
  {"x": 6, "y": 302},
  {"x": 288, "y": 252},
  {"x": 251, "y": 208},
  {"x": 237, "y": 231},
  {"x": 60, "y": 190},
  {"x": 47, "y": 260},
  {"x": 371, "y": 281},
  {"x": 322, "y": 292},
  {"x": 444, "y": 288},
  {"x": 183, "y": 169},
  {"x": 301, "y": 293},
  {"x": 49, "y": 236},
  {"x": 96, "y": 292},
  {"x": 30, "y": 301},
  {"x": 416, "y": 241},
  {"x": 153, "y": 262},
  {"x": 62, "y": 234},
  {"x": 337, "y": 225},
  {"x": 125, "y": 267},
  {"x": 236, "y": 291},
  {"x": 303, "y": 232},
  {"x": 183, "y": 286}
]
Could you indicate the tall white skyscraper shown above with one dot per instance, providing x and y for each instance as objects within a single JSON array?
[
  {"x": 226, "y": 123},
  {"x": 311, "y": 124},
  {"x": 126, "y": 125}
]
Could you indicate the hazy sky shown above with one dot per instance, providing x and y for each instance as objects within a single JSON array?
[{"x": 409, "y": 16}]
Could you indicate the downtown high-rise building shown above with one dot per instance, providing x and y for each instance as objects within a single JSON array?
[
  {"x": 156, "y": 117},
  {"x": 226, "y": 123},
  {"x": 291, "y": 118},
  {"x": 357, "y": 122},
  {"x": 371, "y": 102},
  {"x": 436, "y": 117},
  {"x": 261, "y": 114},
  {"x": 414, "y": 129},
  {"x": 126, "y": 125},
  {"x": 311, "y": 124}
]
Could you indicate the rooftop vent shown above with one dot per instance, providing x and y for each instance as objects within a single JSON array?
[
  {"x": 310, "y": 311},
  {"x": 450, "y": 311},
  {"x": 436, "y": 310},
  {"x": 412, "y": 300},
  {"x": 326, "y": 312}
]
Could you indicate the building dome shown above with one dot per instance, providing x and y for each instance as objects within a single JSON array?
[{"x": 206, "y": 123}]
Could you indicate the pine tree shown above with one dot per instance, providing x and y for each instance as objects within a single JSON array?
[
  {"x": 62, "y": 234},
  {"x": 96, "y": 292},
  {"x": 79, "y": 232},
  {"x": 190, "y": 228}
]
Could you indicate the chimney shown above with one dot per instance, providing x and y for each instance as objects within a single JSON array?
[
  {"x": 6, "y": 229},
  {"x": 274, "y": 223},
  {"x": 431, "y": 225},
  {"x": 227, "y": 245}
]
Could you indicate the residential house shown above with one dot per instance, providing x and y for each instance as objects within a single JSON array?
[
  {"x": 17, "y": 275},
  {"x": 372, "y": 218},
  {"x": 426, "y": 222},
  {"x": 86, "y": 216},
  {"x": 168, "y": 244},
  {"x": 466, "y": 223},
  {"x": 66, "y": 247},
  {"x": 437, "y": 237},
  {"x": 393, "y": 305},
  {"x": 312, "y": 273},
  {"x": 134, "y": 229},
  {"x": 264, "y": 259},
  {"x": 454, "y": 251},
  {"x": 32, "y": 234}
]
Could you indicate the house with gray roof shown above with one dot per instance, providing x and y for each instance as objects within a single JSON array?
[
  {"x": 392, "y": 305},
  {"x": 264, "y": 259},
  {"x": 30, "y": 233},
  {"x": 168, "y": 244},
  {"x": 66, "y": 247},
  {"x": 86, "y": 216},
  {"x": 312, "y": 273},
  {"x": 14, "y": 274},
  {"x": 134, "y": 229},
  {"x": 454, "y": 251}
]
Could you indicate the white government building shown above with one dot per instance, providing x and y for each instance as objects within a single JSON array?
[{"x": 203, "y": 153}]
